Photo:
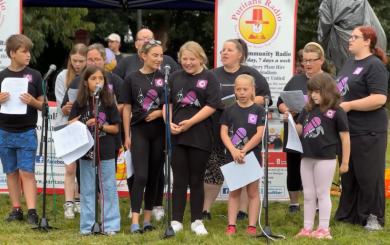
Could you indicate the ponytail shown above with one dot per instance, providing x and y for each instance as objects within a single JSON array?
[
  {"x": 369, "y": 33},
  {"x": 378, "y": 52},
  {"x": 253, "y": 97}
]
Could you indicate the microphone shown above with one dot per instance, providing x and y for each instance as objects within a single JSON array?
[
  {"x": 266, "y": 100},
  {"x": 52, "y": 68},
  {"x": 98, "y": 88},
  {"x": 167, "y": 69}
]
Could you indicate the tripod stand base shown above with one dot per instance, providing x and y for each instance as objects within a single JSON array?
[
  {"x": 44, "y": 224},
  {"x": 169, "y": 232},
  {"x": 96, "y": 230},
  {"x": 268, "y": 233}
]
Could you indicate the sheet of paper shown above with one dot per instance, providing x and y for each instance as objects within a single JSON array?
[
  {"x": 72, "y": 94},
  {"x": 110, "y": 55},
  {"x": 129, "y": 164},
  {"x": 229, "y": 100},
  {"x": 15, "y": 87},
  {"x": 239, "y": 175},
  {"x": 79, "y": 152},
  {"x": 294, "y": 100},
  {"x": 293, "y": 142},
  {"x": 70, "y": 138}
]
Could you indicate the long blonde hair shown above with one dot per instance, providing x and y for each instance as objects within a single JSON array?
[
  {"x": 251, "y": 80},
  {"x": 80, "y": 49},
  {"x": 197, "y": 50}
]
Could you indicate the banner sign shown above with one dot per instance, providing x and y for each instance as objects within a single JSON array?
[
  {"x": 10, "y": 24},
  {"x": 268, "y": 28}
]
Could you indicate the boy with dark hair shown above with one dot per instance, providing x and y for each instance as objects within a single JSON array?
[{"x": 18, "y": 136}]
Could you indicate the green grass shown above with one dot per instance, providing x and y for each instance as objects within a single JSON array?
[{"x": 280, "y": 222}]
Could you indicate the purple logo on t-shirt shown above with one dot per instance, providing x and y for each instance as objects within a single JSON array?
[
  {"x": 330, "y": 114},
  {"x": 358, "y": 70},
  {"x": 343, "y": 85},
  {"x": 313, "y": 128},
  {"x": 110, "y": 86},
  {"x": 305, "y": 97},
  {"x": 158, "y": 82},
  {"x": 201, "y": 84},
  {"x": 29, "y": 77},
  {"x": 252, "y": 119},
  {"x": 240, "y": 138}
]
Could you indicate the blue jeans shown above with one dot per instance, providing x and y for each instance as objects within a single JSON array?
[{"x": 112, "y": 216}]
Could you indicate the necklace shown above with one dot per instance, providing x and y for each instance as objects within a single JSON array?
[{"x": 152, "y": 78}]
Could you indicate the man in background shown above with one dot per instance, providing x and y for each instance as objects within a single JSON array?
[{"x": 114, "y": 43}]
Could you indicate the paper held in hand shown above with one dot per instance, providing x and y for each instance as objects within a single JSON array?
[
  {"x": 293, "y": 141},
  {"x": 72, "y": 142},
  {"x": 229, "y": 100},
  {"x": 15, "y": 87},
  {"x": 239, "y": 175},
  {"x": 294, "y": 100},
  {"x": 129, "y": 164}
]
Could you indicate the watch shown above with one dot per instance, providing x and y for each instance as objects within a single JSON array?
[{"x": 100, "y": 127}]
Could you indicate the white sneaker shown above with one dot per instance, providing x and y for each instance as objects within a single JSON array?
[
  {"x": 110, "y": 233},
  {"x": 372, "y": 224},
  {"x": 158, "y": 213},
  {"x": 77, "y": 207},
  {"x": 69, "y": 213},
  {"x": 131, "y": 213},
  {"x": 198, "y": 227},
  {"x": 177, "y": 226}
]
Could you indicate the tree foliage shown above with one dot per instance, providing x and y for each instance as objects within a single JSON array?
[{"x": 58, "y": 25}]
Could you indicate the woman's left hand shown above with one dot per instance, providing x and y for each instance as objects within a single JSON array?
[
  {"x": 90, "y": 122},
  {"x": 185, "y": 125},
  {"x": 153, "y": 115},
  {"x": 346, "y": 106}
]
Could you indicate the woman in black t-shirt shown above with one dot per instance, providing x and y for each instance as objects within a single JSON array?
[
  {"x": 313, "y": 57},
  {"x": 234, "y": 54},
  {"x": 363, "y": 84},
  {"x": 141, "y": 94},
  {"x": 194, "y": 97}
]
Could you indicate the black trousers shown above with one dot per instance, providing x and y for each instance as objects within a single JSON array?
[
  {"x": 294, "y": 182},
  {"x": 363, "y": 186},
  {"x": 188, "y": 167},
  {"x": 147, "y": 156}
]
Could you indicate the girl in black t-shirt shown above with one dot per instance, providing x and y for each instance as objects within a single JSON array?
[
  {"x": 194, "y": 97},
  {"x": 321, "y": 124},
  {"x": 141, "y": 94},
  {"x": 83, "y": 110},
  {"x": 242, "y": 130}
]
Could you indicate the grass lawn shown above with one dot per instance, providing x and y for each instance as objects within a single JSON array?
[{"x": 280, "y": 222}]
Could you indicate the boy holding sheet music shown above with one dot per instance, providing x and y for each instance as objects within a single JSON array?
[
  {"x": 18, "y": 137},
  {"x": 242, "y": 130}
]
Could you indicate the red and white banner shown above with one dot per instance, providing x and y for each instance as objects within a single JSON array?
[{"x": 10, "y": 24}]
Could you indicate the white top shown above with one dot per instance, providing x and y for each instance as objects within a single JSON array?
[{"x": 60, "y": 90}]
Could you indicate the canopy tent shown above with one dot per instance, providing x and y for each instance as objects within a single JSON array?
[{"x": 136, "y": 4}]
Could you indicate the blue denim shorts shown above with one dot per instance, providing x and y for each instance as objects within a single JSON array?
[{"x": 18, "y": 151}]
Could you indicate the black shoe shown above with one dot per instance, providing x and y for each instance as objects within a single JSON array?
[
  {"x": 242, "y": 215},
  {"x": 317, "y": 210},
  {"x": 149, "y": 228},
  {"x": 139, "y": 231},
  {"x": 206, "y": 215},
  {"x": 15, "y": 215},
  {"x": 293, "y": 209},
  {"x": 32, "y": 218}
]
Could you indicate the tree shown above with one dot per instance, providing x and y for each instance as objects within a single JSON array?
[{"x": 58, "y": 25}]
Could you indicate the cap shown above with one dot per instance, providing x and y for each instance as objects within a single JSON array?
[
  {"x": 113, "y": 37},
  {"x": 81, "y": 32}
]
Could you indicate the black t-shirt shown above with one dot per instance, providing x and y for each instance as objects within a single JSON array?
[
  {"x": 22, "y": 123},
  {"x": 143, "y": 92},
  {"x": 118, "y": 58},
  {"x": 227, "y": 88},
  {"x": 297, "y": 82},
  {"x": 108, "y": 115},
  {"x": 188, "y": 95},
  {"x": 321, "y": 132},
  {"x": 357, "y": 80},
  {"x": 115, "y": 84},
  {"x": 278, "y": 143},
  {"x": 134, "y": 63},
  {"x": 242, "y": 124}
]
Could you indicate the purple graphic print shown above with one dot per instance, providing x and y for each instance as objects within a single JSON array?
[
  {"x": 252, "y": 119},
  {"x": 159, "y": 82},
  {"x": 239, "y": 139},
  {"x": 313, "y": 128},
  {"x": 358, "y": 70},
  {"x": 202, "y": 84},
  {"x": 343, "y": 86},
  {"x": 150, "y": 99},
  {"x": 29, "y": 77},
  {"x": 330, "y": 114},
  {"x": 305, "y": 97}
]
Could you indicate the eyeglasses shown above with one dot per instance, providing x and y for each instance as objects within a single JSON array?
[
  {"x": 153, "y": 42},
  {"x": 354, "y": 37},
  {"x": 304, "y": 61},
  {"x": 145, "y": 38},
  {"x": 91, "y": 61}
]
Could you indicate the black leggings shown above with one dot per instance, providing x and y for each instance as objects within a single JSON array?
[
  {"x": 189, "y": 167},
  {"x": 160, "y": 188},
  {"x": 294, "y": 182},
  {"x": 147, "y": 156}
]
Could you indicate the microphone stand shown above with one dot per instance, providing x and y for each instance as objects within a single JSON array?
[
  {"x": 96, "y": 227},
  {"x": 267, "y": 233},
  {"x": 169, "y": 232},
  {"x": 44, "y": 222}
]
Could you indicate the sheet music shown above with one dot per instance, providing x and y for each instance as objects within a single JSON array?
[
  {"x": 239, "y": 175},
  {"x": 293, "y": 142},
  {"x": 15, "y": 87},
  {"x": 70, "y": 138},
  {"x": 294, "y": 100},
  {"x": 79, "y": 152},
  {"x": 72, "y": 94},
  {"x": 129, "y": 164}
]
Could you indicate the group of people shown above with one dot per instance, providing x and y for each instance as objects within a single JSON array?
[{"x": 344, "y": 116}]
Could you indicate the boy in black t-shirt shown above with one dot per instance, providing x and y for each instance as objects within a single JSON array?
[{"x": 17, "y": 131}]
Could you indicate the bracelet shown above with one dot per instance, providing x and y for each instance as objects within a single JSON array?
[{"x": 100, "y": 127}]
